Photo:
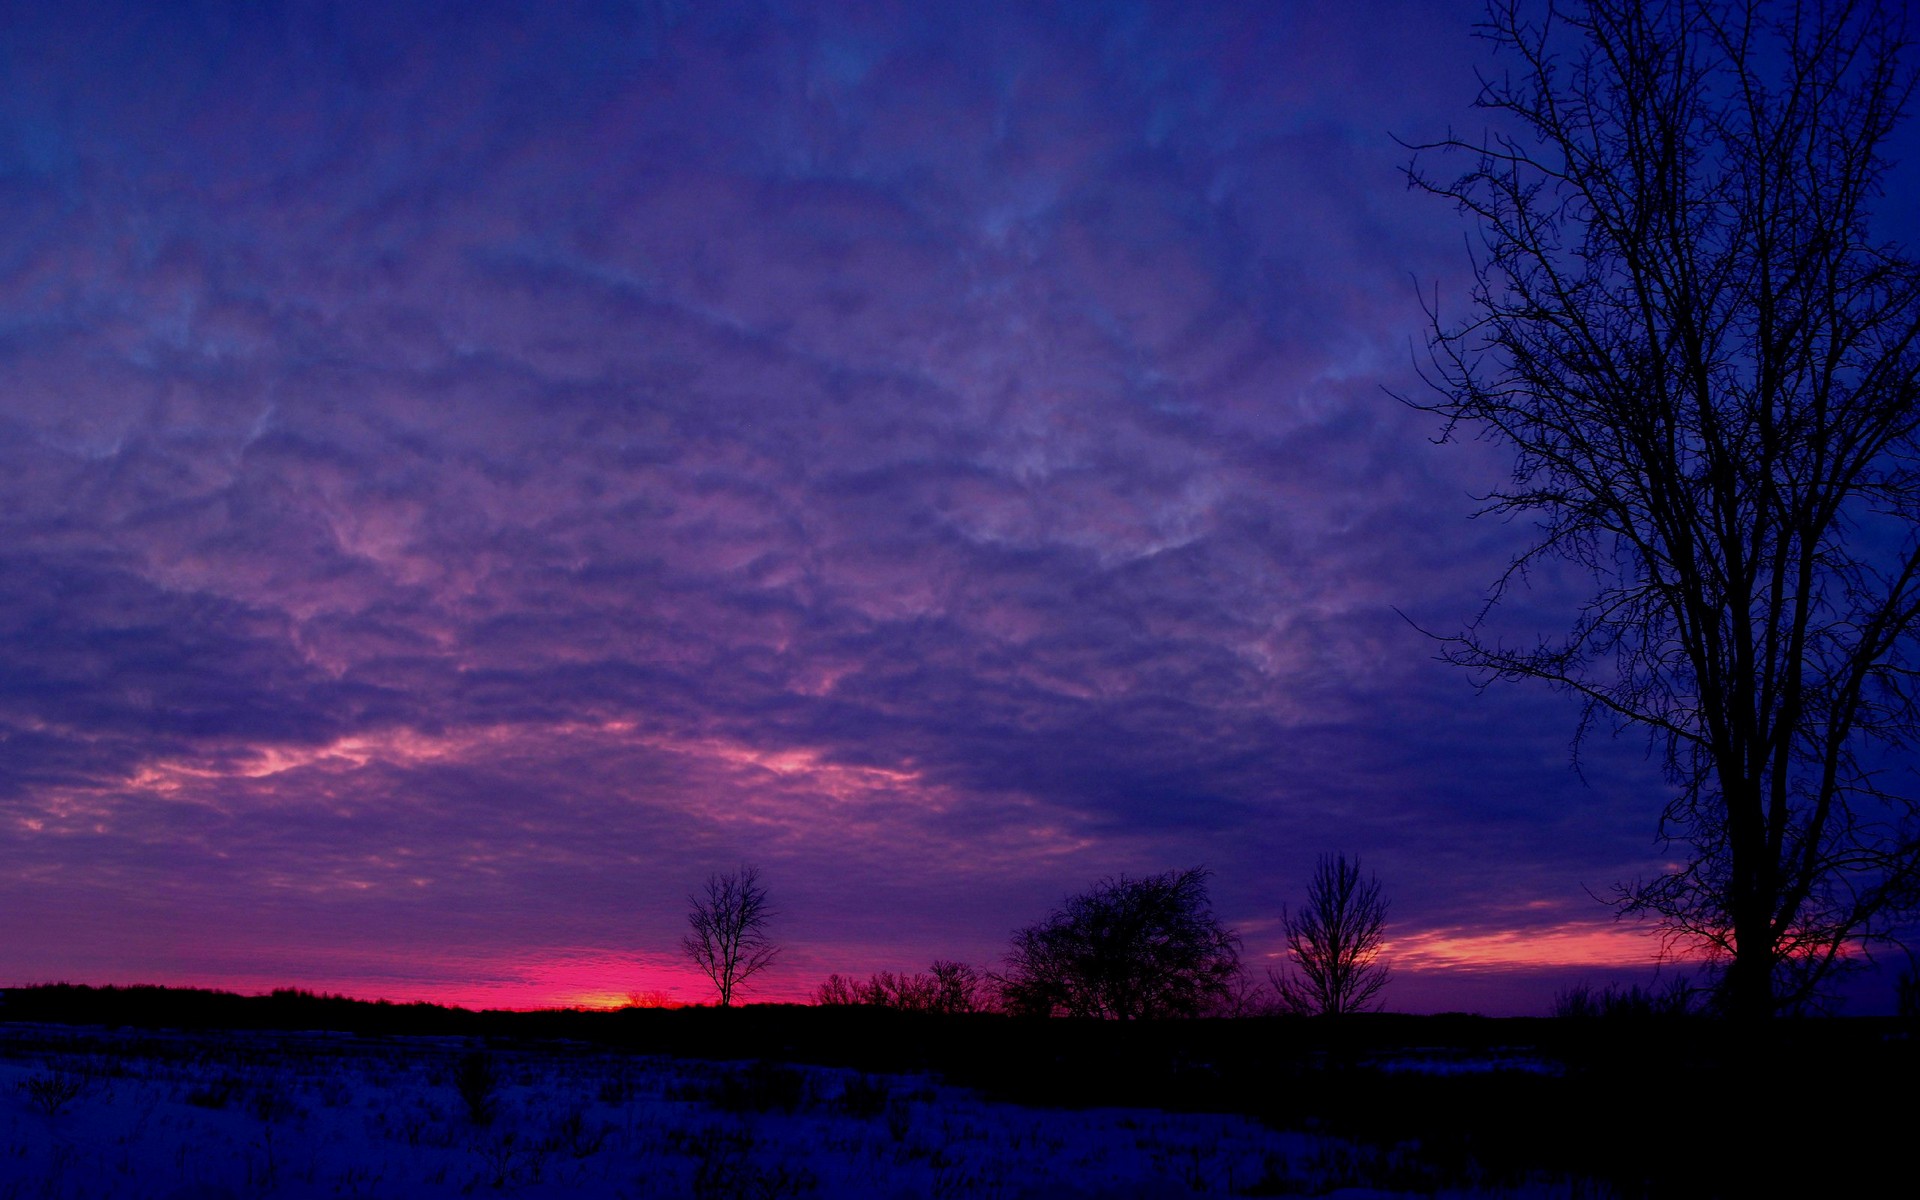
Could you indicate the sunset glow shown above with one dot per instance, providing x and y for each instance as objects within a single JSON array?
[
  {"x": 470, "y": 471},
  {"x": 1594, "y": 947}
]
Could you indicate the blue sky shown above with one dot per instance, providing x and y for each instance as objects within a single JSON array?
[{"x": 469, "y": 470}]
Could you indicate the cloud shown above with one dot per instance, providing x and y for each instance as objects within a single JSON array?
[{"x": 468, "y": 470}]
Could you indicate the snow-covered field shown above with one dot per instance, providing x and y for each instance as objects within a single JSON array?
[{"x": 93, "y": 1113}]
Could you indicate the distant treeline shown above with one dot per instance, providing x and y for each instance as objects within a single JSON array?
[
  {"x": 868, "y": 1032},
  {"x": 147, "y": 1006}
]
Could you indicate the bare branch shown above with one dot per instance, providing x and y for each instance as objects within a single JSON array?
[
  {"x": 1334, "y": 942},
  {"x": 729, "y": 921},
  {"x": 1709, "y": 375}
]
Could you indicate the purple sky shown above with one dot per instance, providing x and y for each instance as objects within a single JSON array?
[{"x": 468, "y": 471}]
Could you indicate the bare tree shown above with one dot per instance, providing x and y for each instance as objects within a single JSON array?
[
  {"x": 729, "y": 941},
  {"x": 916, "y": 992},
  {"x": 1126, "y": 949},
  {"x": 1706, "y": 368},
  {"x": 1334, "y": 942},
  {"x": 949, "y": 987},
  {"x": 958, "y": 987},
  {"x": 838, "y": 990}
]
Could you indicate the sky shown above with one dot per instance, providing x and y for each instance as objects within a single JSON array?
[{"x": 468, "y": 471}]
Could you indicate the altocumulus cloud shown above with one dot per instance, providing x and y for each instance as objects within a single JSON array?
[{"x": 468, "y": 470}]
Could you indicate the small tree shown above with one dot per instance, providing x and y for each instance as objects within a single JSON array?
[
  {"x": 479, "y": 1086},
  {"x": 1127, "y": 949},
  {"x": 729, "y": 941},
  {"x": 949, "y": 987},
  {"x": 907, "y": 993},
  {"x": 1632, "y": 1002},
  {"x": 957, "y": 987},
  {"x": 1334, "y": 942}
]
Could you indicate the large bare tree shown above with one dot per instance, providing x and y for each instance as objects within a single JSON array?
[
  {"x": 729, "y": 940},
  {"x": 1705, "y": 364}
]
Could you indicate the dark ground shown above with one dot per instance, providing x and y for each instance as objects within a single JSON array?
[{"x": 1666, "y": 1106}]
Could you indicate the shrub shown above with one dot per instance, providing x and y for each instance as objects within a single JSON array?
[
  {"x": 864, "y": 1097},
  {"x": 949, "y": 987},
  {"x": 1584, "y": 1002},
  {"x": 52, "y": 1091},
  {"x": 908, "y": 993},
  {"x": 478, "y": 1084},
  {"x": 760, "y": 1088},
  {"x": 837, "y": 990},
  {"x": 1126, "y": 949},
  {"x": 215, "y": 1093},
  {"x": 959, "y": 988}
]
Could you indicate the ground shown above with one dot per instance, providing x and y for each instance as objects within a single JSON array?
[{"x": 94, "y": 1112}]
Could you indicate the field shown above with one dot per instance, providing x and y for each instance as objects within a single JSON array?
[
  {"x": 100, "y": 1111},
  {"x": 91, "y": 1113}
]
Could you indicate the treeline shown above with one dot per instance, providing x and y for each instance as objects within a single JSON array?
[
  {"x": 946, "y": 987},
  {"x": 151, "y": 1006},
  {"x": 1127, "y": 948}
]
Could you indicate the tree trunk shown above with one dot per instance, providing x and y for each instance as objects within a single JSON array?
[{"x": 1749, "y": 982}]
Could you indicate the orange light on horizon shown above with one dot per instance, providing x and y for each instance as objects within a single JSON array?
[{"x": 1567, "y": 944}]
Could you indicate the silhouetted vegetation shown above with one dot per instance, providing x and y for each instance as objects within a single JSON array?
[
  {"x": 1584, "y": 1002},
  {"x": 1334, "y": 942},
  {"x": 1125, "y": 949},
  {"x": 1683, "y": 324},
  {"x": 838, "y": 990},
  {"x": 761, "y": 1086},
  {"x": 729, "y": 921},
  {"x": 1906, "y": 992},
  {"x": 51, "y": 1091},
  {"x": 958, "y": 988},
  {"x": 479, "y": 1086},
  {"x": 949, "y": 987}
]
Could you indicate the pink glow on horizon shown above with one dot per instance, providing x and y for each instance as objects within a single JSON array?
[
  {"x": 587, "y": 979},
  {"x": 1585, "y": 944},
  {"x": 940, "y": 454}
]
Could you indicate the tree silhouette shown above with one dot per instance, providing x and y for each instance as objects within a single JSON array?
[
  {"x": 948, "y": 987},
  {"x": 958, "y": 987},
  {"x": 1126, "y": 949},
  {"x": 1706, "y": 368},
  {"x": 1334, "y": 942},
  {"x": 729, "y": 940}
]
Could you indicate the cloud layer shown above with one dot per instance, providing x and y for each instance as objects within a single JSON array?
[{"x": 468, "y": 471}]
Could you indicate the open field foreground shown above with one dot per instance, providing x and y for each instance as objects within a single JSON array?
[
  {"x": 178, "y": 1093},
  {"x": 86, "y": 1112}
]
